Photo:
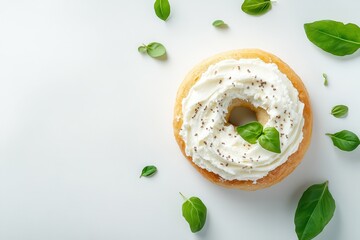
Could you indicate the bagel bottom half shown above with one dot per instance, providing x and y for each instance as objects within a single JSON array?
[{"x": 292, "y": 162}]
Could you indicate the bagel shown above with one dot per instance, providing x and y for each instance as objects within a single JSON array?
[{"x": 256, "y": 80}]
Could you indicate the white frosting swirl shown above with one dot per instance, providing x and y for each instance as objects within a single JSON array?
[{"x": 215, "y": 145}]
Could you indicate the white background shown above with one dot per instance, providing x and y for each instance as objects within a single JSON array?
[{"x": 82, "y": 112}]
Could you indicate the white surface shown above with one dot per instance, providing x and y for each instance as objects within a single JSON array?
[{"x": 82, "y": 112}]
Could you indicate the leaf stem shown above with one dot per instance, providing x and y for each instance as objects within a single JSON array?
[{"x": 185, "y": 199}]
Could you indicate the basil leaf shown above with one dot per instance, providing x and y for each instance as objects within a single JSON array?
[
  {"x": 269, "y": 137},
  {"x": 194, "y": 211},
  {"x": 142, "y": 49},
  {"x": 315, "y": 209},
  {"x": 250, "y": 132},
  {"x": 162, "y": 9},
  {"x": 339, "y": 111},
  {"x": 270, "y": 140},
  {"x": 345, "y": 140},
  {"x": 334, "y": 37},
  {"x": 155, "y": 50},
  {"x": 325, "y": 79},
  {"x": 219, "y": 24},
  {"x": 256, "y": 7},
  {"x": 148, "y": 171}
]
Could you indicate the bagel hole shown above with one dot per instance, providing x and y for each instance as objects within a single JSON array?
[
  {"x": 241, "y": 115},
  {"x": 241, "y": 112}
]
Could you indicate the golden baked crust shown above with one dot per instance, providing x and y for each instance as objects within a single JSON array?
[{"x": 293, "y": 161}]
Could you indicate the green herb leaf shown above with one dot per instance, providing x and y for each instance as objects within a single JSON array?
[
  {"x": 269, "y": 137},
  {"x": 148, "y": 171},
  {"x": 194, "y": 211},
  {"x": 155, "y": 50},
  {"x": 256, "y": 7},
  {"x": 162, "y": 9},
  {"x": 334, "y": 37},
  {"x": 270, "y": 140},
  {"x": 250, "y": 132},
  {"x": 345, "y": 140},
  {"x": 142, "y": 49},
  {"x": 339, "y": 111},
  {"x": 314, "y": 211},
  {"x": 325, "y": 79},
  {"x": 219, "y": 24}
]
